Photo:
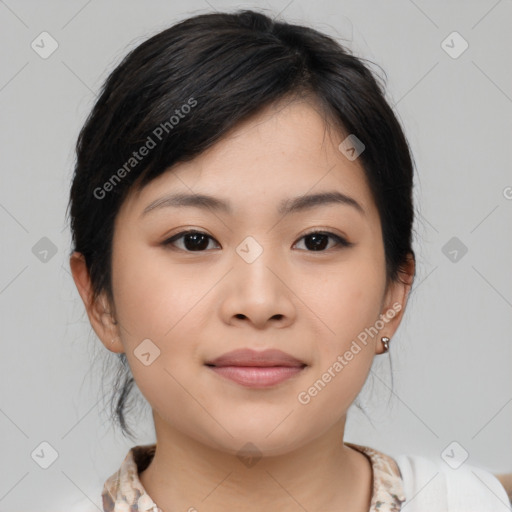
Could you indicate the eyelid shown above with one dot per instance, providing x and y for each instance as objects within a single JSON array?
[
  {"x": 341, "y": 240},
  {"x": 169, "y": 240},
  {"x": 321, "y": 231}
]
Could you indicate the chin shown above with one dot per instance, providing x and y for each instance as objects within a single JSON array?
[{"x": 256, "y": 441}]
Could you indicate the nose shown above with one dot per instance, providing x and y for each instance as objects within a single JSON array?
[{"x": 258, "y": 293}]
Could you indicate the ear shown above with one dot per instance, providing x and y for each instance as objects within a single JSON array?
[
  {"x": 102, "y": 321},
  {"x": 395, "y": 300}
]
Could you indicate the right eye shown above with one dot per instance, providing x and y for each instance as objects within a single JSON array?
[{"x": 193, "y": 241}]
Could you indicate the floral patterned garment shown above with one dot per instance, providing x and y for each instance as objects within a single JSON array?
[{"x": 123, "y": 491}]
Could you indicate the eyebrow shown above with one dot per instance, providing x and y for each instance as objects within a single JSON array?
[{"x": 291, "y": 205}]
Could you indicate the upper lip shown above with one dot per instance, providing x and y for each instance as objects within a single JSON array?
[{"x": 248, "y": 357}]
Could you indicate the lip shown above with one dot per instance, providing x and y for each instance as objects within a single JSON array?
[
  {"x": 255, "y": 369},
  {"x": 248, "y": 357}
]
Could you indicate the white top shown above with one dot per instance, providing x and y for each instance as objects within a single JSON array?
[{"x": 433, "y": 486}]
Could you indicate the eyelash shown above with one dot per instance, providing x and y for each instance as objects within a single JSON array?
[{"x": 341, "y": 242}]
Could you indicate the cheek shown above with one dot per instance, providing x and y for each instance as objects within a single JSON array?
[
  {"x": 153, "y": 296},
  {"x": 156, "y": 302},
  {"x": 164, "y": 302},
  {"x": 347, "y": 300}
]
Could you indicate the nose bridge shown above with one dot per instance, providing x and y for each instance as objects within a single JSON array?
[
  {"x": 252, "y": 262},
  {"x": 256, "y": 292}
]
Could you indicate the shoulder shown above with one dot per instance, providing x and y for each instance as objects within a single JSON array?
[{"x": 431, "y": 484}]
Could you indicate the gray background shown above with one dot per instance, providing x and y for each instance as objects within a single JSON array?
[{"x": 452, "y": 354}]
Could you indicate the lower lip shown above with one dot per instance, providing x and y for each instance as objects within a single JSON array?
[{"x": 257, "y": 376}]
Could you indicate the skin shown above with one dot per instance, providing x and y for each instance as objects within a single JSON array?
[
  {"x": 506, "y": 480},
  {"x": 197, "y": 305}
]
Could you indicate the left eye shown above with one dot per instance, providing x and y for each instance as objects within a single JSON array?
[
  {"x": 197, "y": 241},
  {"x": 317, "y": 240}
]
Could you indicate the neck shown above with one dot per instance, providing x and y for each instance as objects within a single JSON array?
[{"x": 322, "y": 475}]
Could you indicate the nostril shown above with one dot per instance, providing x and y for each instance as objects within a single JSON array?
[{"x": 240, "y": 315}]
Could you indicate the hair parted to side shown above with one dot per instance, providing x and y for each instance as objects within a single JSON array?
[{"x": 225, "y": 67}]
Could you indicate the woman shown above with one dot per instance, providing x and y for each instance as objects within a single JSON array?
[{"x": 242, "y": 215}]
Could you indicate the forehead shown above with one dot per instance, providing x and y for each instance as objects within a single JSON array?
[{"x": 286, "y": 150}]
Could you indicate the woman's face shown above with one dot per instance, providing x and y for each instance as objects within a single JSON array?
[{"x": 254, "y": 281}]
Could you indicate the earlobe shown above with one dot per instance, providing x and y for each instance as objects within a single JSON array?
[{"x": 99, "y": 316}]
